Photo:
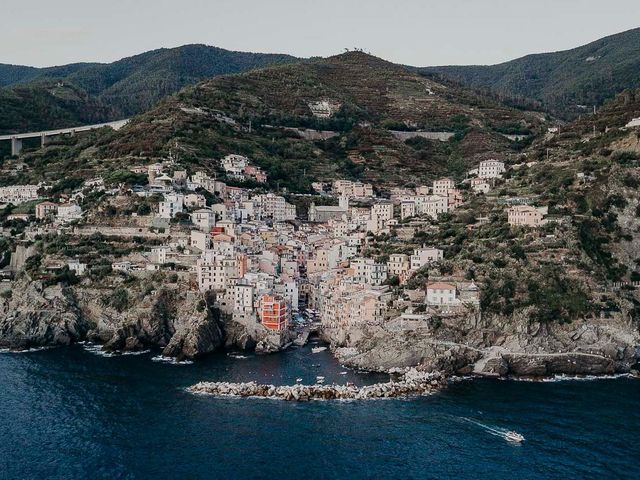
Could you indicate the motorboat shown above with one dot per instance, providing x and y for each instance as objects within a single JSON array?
[
  {"x": 513, "y": 436},
  {"x": 318, "y": 349}
]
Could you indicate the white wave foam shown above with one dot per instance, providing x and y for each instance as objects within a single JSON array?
[
  {"x": 170, "y": 360},
  {"x": 26, "y": 350},
  {"x": 237, "y": 356},
  {"x": 571, "y": 378}
]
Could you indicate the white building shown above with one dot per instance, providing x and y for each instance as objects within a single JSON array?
[
  {"x": 17, "y": 194},
  {"x": 204, "y": 219},
  {"x": 173, "y": 203},
  {"x": 441, "y": 293},
  {"x": 78, "y": 268},
  {"x": 432, "y": 205},
  {"x": 367, "y": 271},
  {"x": 491, "y": 169},
  {"x": 425, "y": 256},
  {"x": 68, "y": 212}
]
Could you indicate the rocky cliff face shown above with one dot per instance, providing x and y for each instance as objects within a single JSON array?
[
  {"x": 34, "y": 316},
  {"x": 183, "y": 324},
  {"x": 497, "y": 347}
]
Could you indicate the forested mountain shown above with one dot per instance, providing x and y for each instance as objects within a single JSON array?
[
  {"x": 68, "y": 95},
  {"x": 567, "y": 82},
  {"x": 264, "y": 113}
]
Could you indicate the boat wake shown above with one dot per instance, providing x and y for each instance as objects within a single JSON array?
[{"x": 509, "y": 435}]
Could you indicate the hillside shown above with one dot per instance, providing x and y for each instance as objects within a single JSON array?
[
  {"x": 560, "y": 81},
  {"x": 116, "y": 90},
  {"x": 255, "y": 114}
]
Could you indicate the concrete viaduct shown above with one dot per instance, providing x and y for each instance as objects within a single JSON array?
[{"x": 17, "y": 138}]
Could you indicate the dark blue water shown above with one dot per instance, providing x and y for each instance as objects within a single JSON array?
[{"x": 67, "y": 413}]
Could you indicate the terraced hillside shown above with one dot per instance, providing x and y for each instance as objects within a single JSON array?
[{"x": 257, "y": 114}]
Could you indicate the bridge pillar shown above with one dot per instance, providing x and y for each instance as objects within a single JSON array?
[
  {"x": 16, "y": 146},
  {"x": 44, "y": 139}
]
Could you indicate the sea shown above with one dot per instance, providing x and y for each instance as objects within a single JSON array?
[{"x": 74, "y": 413}]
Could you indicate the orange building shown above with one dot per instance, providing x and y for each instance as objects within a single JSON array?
[{"x": 273, "y": 312}]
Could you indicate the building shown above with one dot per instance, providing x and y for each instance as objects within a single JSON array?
[
  {"x": 234, "y": 165},
  {"x": 491, "y": 169},
  {"x": 526, "y": 215},
  {"x": 243, "y": 303},
  {"x": 441, "y": 293},
  {"x": 76, "y": 267},
  {"x": 323, "y": 108},
  {"x": 367, "y": 271},
  {"x": 159, "y": 255},
  {"x": 173, "y": 203},
  {"x": 17, "y": 194},
  {"x": 480, "y": 185},
  {"x": 69, "y": 212},
  {"x": 44, "y": 209},
  {"x": 255, "y": 173},
  {"x": 195, "y": 200},
  {"x": 432, "y": 205},
  {"x": 272, "y": 312},
  {"x": 215, "y": 271},
  {"x": 324, "y": 213},
  {"x": 343, "y": 305},
  {"x": 200, "y": 240},
  {"x": 121, "y": 266},
  {"x": 352, "y": 189},
  {"x": 275, "y": 207},
  {"x": 407, "y": 209},
  {"x": 399, "y": 264},
  {"x": 204, "y": 219},
  {"x": 425, "y": 256},
  {"x": 442, "y": 186}
]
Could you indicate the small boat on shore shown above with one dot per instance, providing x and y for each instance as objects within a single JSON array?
[
  {"x": 514, "y": 437},
  {"x": 318, "y": 349}
]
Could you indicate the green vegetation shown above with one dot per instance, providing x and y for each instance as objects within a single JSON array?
[
  {"x": 42, "y": 99},
  {"x": 560, "y": 81}
]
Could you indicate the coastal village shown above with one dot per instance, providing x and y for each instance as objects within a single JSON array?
[{"x": 265, "y": 262}]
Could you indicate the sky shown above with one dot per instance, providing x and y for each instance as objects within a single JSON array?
[{"x": 412, "y": 32}]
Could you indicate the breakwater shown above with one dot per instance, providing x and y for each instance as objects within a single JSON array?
[{"x": 411, "y": 383}]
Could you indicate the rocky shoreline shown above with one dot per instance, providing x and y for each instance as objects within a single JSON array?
[{"x": 413, "y": 382}]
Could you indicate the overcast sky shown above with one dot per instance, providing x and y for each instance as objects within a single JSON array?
[{"x": 416, "y": 32}]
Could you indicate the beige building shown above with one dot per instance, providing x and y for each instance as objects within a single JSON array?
[
  {"x": 399, "y": 264},
  {"x": 526, "y": 216},
  {"x": 45, "y": 209},
  {"x": 443, "y": 186}
]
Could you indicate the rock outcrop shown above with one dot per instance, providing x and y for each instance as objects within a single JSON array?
[{"x": 497, "y": 347}]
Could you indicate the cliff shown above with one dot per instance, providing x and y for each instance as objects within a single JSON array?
[
  {"x": 497, "y": 346},
  {"x": 183, "y": 325}
]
